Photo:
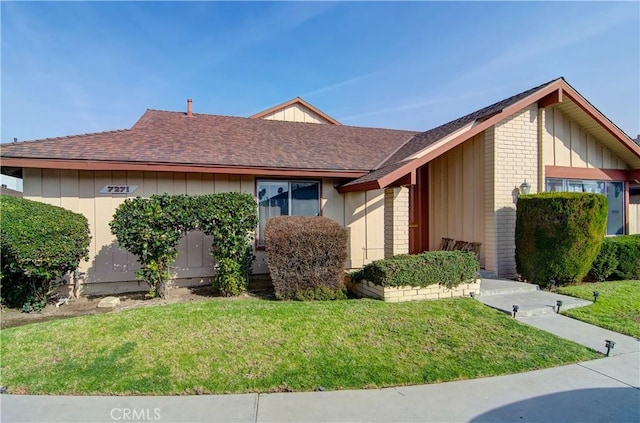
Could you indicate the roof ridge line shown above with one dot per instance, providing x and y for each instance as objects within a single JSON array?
[{"x": 67, "y": 136}]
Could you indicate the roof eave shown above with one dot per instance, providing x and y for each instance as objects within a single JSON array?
[{"x": 91, "y": 165}]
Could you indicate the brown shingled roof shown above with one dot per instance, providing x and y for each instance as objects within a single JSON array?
[{"x": 212, "y": 140}]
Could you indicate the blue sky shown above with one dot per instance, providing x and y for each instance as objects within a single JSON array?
[{"x": 78, "y": 67}]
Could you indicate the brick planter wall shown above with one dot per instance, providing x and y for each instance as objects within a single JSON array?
[{"x": 397, "y": 294}]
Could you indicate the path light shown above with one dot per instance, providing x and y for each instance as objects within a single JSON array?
[
  {"x": 595, "y": 296},
  {"x": 515, "y": 310},
  {"x": 609, "y": 344},
  {"x": 559, "y": 304}
]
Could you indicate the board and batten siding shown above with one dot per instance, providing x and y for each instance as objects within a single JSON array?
[
  {"x": 565, "y": 143},
  {"x": 111, "y": 269},
  {"x": 296, "y": 113},
  {"x": 634, "y": 214},
  {"x": 456, "y": 195}
]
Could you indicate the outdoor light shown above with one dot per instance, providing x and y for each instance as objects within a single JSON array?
[
  {"x": 595, "y": 296},
  {"x": 472, "y": 294},
  {"x": 609, "y": 344},
  {"x": 515, "y": 310},
  {"x": 559, "y": 304},
  {"x": 525, "y": 188}
]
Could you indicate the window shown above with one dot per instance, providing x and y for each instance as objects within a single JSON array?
[
  {"x": 286, "y": 198},
  {"x": 613, "y": 190}
]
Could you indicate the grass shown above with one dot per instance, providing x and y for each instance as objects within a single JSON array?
[
  {"x": 223, "y": 346},
  {"x": 617, "y": 308}
]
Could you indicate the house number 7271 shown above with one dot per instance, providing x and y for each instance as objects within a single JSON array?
[{"x": 118, "y": 189}]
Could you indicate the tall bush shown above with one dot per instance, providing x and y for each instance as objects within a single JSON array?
[
  {"x": 558, "y": 235},
  {"x": 40, "y": 243},
  {"x": 231, "y": 218},
  {"x": 151, "y": 229},
  {"x": 306, "y": 257}
]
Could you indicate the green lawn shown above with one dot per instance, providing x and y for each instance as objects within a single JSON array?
[
  {"x": 223, "y": 346},
  {"x": 617, "y": 308}
]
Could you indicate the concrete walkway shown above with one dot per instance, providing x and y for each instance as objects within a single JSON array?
[{"x": 603, "y": 390}]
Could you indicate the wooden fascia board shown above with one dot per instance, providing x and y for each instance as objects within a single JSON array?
[
  {"x": 161, "y": 167},
  {"x": 406, "y": 180},
  {"x": 633, "y": 175},
  {"x": 566, "y": 172},
  {"x": 602, "y": 120},
  {"x": 551, "y": 99},
  {"x": 508, "y": 111},
  {"x": 364, "y": 186}
]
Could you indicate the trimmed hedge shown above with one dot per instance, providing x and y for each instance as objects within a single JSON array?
[
  {"x": 40, "y": 243},
  {"x": 306, "y": 256},
  {"x": 619, "y": 257},
  {"x": 558, "y": 235},
  {"x": 448, "y": 268}
]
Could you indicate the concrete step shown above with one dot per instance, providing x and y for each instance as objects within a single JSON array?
[
  {"x": 531, "y": 303},
  {"x": 503, "y": 286}
]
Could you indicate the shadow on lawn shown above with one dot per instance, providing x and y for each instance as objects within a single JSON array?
[{"x": 110, "y": 371}]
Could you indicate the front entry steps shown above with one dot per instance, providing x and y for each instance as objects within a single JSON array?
[{"x": 503, "y": 294}]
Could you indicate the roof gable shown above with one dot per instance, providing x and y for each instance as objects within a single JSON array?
[
  {"x": 428, "y": 145},
  {"x": 296, "y": 110}
]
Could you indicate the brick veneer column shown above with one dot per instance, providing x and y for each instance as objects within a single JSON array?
[
  {"x": 396, "y": 221},
  {"x": 515, "y": 158}
]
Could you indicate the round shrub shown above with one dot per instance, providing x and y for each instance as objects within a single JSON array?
[
  {"x": 306, "y": 256},
  {"x": 40, "y": 243},
  {"x": 628, "y": 255},
  {"x": 605, "y": 262},
  {"x": 558, "y": 235}
]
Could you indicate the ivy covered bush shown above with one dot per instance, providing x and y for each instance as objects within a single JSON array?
[
  {"x": 448, "y": 268},
  {"x": 558, "y": 235},
  {"x": 151, "y": 229},
  {"x": 619, "y": 258},
  {"x": 40, "y": 243},
  {"x": 306, "y": 257}
]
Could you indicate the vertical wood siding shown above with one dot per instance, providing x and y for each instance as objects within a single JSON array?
[
  {"x": 456, "y": 195},
  {"x": 362, "y": 214},
  {"x": 565, "y": 143}
]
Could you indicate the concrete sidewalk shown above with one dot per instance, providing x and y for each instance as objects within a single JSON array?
[
  {"x": 601, "y": 390},
  {"x": 606, "y": 389}
]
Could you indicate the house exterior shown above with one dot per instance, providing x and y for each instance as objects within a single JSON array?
[{"x": 395, "y": 191}]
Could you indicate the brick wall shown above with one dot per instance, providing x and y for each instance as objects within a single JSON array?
[
  {"x": 396, "y": 221},
  {"x": 515, "y": 159},
  {"x": 399, "y": 294}
]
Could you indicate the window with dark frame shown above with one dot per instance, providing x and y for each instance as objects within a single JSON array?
[{"x": 286, "y": 198}]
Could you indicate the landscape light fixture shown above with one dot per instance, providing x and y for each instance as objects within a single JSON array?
[
  {"x": 525, "y": 188},
  {"x": 595, "y": 296},
  {"x": 515, "y": 310},
  {"x": 559, "y": 304},
  {"x": 472, "y": 294},
  {"x": 609, "y": 344}
]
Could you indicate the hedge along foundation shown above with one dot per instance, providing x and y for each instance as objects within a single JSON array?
[{"x": 398, "y": 294}]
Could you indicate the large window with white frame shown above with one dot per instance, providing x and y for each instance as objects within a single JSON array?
[
  {"x": 613, "y": 190},
  {"x": 286, "y": 198}
]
